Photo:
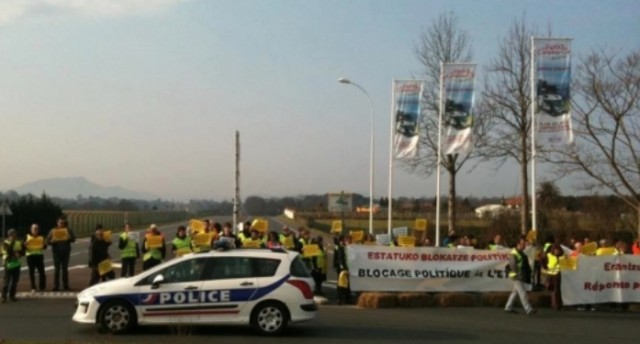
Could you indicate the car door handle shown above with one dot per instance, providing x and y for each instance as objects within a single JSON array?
[
  {"x": 246, "y": 284},
  {"x": 191, "y": 287}
]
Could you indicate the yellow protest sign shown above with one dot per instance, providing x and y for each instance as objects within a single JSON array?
[
  {"x": 196, "y": 226},
  {"x": 336, "y": 226},
  {"x": 568, "y": 263},
  {"x": 261, "y": 225},
  {"x": 154, "y": 241},
  {"x": 312, "y": 250},
  {"x": 36, "y": 243},
  {"x": 251, "y": 244},
  {"x": 532, "y": 236},
  {"x": 288, "y": 242},
  {"x": 203, "y": 239},
  {"x": 606, "y": 251},
  {"x": 106, "y": 235},
  {"x": 104, "y": 267},
  {"x": 421, "y": 225},
  {"x": 356, "y": 236},
  {"x": 59, "y": 234},
  {"x": 182, "y": 251},
  {"x": 589, "y": 249},
  {"x": 406, "y": 241}
]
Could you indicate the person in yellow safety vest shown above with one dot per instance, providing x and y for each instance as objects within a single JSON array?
[
  {"x": 520, "y": 273},
  {"x": 245, "y": 232},
  {"x": 153, "y": 248},
  {"x": 181, "y": 243},
  {"x": 552, "y": 269},
  {"x": 253, "y": 241},
  {"x": 35, "y": 246},
  {"x": 319, "y": 262},
  {"x": 497, "y": 243},
  {"x": 12, "y": 250},
  {"x": 287, "y": 239},
  {"x": 129, "y": 252}
]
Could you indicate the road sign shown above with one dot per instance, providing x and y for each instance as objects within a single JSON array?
[{"x": 5, "y": 210}]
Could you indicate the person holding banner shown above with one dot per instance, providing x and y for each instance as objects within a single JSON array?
[
  {"x": 153, "y": 248},
  {"x": 60, "y": 240},
  {"x": 129, "y": 251},
  {"x": 287, "y": 238},
  {"x": 202, "y": 241},
  {"x": 12, "y": 250},
  {"x": 99, "y": 259},
  {"x": 520, "y": 273},
  {"x": 181, "y": 243},
  {"x": 319, "y": 263},
  {"x": 35, "y": 246}
]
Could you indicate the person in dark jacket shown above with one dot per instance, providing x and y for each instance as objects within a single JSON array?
[
  {"x": 60, "y": 240},
  {"x": 98, "y": 254}
]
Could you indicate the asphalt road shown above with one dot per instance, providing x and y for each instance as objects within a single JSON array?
[{"x": 49, "y": 321}]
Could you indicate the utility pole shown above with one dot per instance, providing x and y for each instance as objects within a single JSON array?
[{"x": 236, "y": 199}]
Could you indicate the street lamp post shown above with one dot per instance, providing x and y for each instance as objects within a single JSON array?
[{"x": 347, "y": 81}]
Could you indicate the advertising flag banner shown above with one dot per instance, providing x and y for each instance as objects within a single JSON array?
[
  {"x": 553, "y": 84},
  {"x": 406, "y": 112},
  {"x": 457, "y": 119}
]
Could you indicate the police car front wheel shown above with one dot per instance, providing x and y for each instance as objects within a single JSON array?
[
  {"x": 270, "y": 318},
  {"x": 116, "y": 317}
]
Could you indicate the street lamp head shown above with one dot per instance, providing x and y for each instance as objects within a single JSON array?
[{"x": 344, "y": 80}]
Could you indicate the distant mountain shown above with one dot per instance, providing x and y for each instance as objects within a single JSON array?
[{"x": 74, "y": 186}]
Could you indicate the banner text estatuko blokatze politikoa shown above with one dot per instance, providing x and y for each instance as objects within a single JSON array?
[
  {"x": 553, "y": 91},
  {"x": 428, "y": 269},
  {"x": 458, "y": 81},
  {"x": 406, "y": 111},
  {"x": 602, "y": 279}
]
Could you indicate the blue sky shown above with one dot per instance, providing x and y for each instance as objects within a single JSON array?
[{"x": 147, "y": 94}]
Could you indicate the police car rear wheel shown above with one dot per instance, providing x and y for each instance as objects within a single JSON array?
[
  {"x": 117, "y": 317},
  {"x": 270, "y": 318}
]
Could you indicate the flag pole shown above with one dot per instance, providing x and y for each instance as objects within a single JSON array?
[
  {"x": 391, "y": 142},
  {"x": 534, "y": 224},
  {"x": 440, "y": 110}
]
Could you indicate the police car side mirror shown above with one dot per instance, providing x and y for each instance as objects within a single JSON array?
[{"x": 157, "y": 281}]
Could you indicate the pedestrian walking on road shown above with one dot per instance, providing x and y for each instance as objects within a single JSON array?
[
  {"x": 12, "y": 250},
  {"x": 60, "y": 239},
  {"x": 129, "y": 251},
  {"x": 35, "y": 246},
  {"x": 520, "y": 274}
]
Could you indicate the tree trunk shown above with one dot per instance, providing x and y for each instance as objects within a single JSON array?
[
  {"x": 524, "y": 208},
  {"x": 452, "y": 198},
  {"x": 638, "y": 219}
]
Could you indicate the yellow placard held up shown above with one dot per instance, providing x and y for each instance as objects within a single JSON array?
[
  {"x": 182, "y": 251},
  {"x": 251, "y": 244},
  {"x": 36, "y": 243},
  {"x": 261, "y": 225},
  {"x": 154, "y": 241},
  {"x": 421, "y": 225},
  {"x": 356, "y": 236},
  {"x": 59, "y": 234},
  {"x": 104, "y": 267},
  {"x": 106, "y": 235},
  {"x": 288, "y": 243},
  {"x": 606, "y": 251},
  {"x": 406, "y": 241},
  {"x": 196, "y": 226},
  {"x": 568, "y": 263},
  {"x": 336, "y": 227},
  {"x": 203, "y": 239},
  {"x": 312, "y": 250},
  {"x": 532, "y": 236},
  {"x": 589, "y": 249}
]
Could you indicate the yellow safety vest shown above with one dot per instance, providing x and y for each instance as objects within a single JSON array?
[
  {"x": 183, "y": 246},
  {"x": 553, "y": 264},
  {"x": 34, "y": 245},
  {"x": 13, "y": 262},
  {"x": 129, "y": 251}
]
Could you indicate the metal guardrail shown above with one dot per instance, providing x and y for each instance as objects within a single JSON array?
[{"x": 83, "y": 222}]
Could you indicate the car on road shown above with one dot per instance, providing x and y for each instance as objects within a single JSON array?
[{"x": 267, "y": 289}]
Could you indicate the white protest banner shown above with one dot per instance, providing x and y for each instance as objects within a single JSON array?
[
  {"x": 599, "y": 279},
  {"x": 430, "y": 269}
]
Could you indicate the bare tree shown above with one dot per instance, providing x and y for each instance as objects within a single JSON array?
[
  {"x": 443, "y": 41},
  {"x": 606, "y": 119},
  {"x": 506, "y": 93}
]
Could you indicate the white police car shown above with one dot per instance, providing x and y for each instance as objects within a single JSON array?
[{"x": 267, "y": 289}]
